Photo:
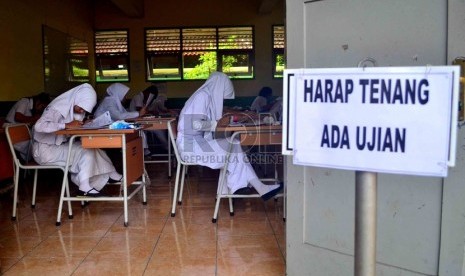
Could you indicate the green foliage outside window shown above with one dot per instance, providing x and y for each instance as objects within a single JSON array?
[{"x": 202, "y": 70}]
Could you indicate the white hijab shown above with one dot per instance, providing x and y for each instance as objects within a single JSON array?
[
  {"x": 117, "y": 91},
  {"x": 83, "y": 96},
  {"x": 218, "y": 87}
]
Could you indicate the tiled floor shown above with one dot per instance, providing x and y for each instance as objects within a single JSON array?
[{"x": 95, "y": 241}]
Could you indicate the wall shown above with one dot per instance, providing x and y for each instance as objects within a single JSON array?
[
  {"x": 194, "y": 13},
  {"x": 421, "y": 223},
  {"x": 21, "y": 66}
]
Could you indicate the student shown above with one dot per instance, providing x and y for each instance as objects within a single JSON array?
[
  {"x": 158, "y": 108},
  {"x": 140, "y": 100},
  {"x": 116, "y": 94},
  {"x": 261, "y": 102},
  {"x": 277, "y": 109},
  {"x": 198, "y": 120},
  {"x": 28, "y": 110},
  {"x": 159, "y": 105},
  {"x": 90, "y": 168}
]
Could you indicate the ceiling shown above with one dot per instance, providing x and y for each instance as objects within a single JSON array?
[{"x": 135, "y": 8}]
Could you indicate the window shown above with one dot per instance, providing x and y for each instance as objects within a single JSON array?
[
  {"x": 193, "y": 53},
  {"x": 279, "y": 62},
  {"x": 78, "y": 61},
  {"x": 111, "y": 56}
]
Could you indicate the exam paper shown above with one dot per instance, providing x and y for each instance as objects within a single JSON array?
[
  {"x": 99, "y": 122},
  {"x": 150, "y": 100}
]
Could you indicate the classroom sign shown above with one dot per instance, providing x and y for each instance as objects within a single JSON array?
[{"x": 395, "y": 119}]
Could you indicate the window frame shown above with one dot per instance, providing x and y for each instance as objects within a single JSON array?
[
  {"x": 149, "y": 55},
  {"x": 77, "y": 51},
  {"x": 277, "y": 51},
  {"x": 117, "y": 55}
]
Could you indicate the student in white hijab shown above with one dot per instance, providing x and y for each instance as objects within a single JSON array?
[
  {"x": 153, "y": 107},
  {"x": 90, "y": 168},
  {"x": 116, "y": 94},
  {"x": 113, "y": 102},
  {"x": 198, "y": 120},
  {"x": 140, "y": 100}
]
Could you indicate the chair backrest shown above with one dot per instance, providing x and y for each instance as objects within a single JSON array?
[{"x": 15, "y": 134}]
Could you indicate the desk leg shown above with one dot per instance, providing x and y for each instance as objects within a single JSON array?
[
  {"x": 124, "y": 183},
  {"x": 145, "y": 175},
  {"x": 169, "y": 155}
]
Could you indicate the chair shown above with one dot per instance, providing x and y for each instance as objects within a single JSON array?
[
  {"x": 172, "y": 130},
  {"x": 18, "y": 133},
  {"x": 222, "y": 184}
]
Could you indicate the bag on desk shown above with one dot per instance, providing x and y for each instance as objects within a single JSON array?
[{"x": 122, "y": 125}]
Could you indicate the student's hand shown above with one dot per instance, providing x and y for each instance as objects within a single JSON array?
[
  {"x": 224, "y": 121},
  {"x": 142, "y": 111},
  {"x": 74, "y": 124}
]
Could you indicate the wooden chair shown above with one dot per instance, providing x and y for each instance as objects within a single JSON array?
[{"x": 20, "y": 133}]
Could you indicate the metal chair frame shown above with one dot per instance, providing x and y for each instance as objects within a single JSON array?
[{"x": 17, "y": 133}]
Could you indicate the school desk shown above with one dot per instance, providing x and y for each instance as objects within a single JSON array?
[
  {"x": 130, "y": 142},
  {"x": 157, "y": 123}
]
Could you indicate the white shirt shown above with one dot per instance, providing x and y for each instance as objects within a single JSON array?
[
  {"x": 23, "y": 106},
  {"x": 258, "y": 104},
  {"x": 138, "y": 102},
  {"x": 112, "y": 103}
]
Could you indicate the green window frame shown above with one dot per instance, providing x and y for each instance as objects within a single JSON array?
[
  {"x": 78, "y": 60},
  {"x": 193, "y": 53},
  {"x": 278, "y": 57},
  {"x": 111, "y": 55}
]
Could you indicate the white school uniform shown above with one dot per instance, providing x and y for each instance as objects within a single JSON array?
[
  {"x": 258, "y": 104},
  {"x": 23, "y": 106},
  {"x": 195, "y": 139},
  {"x": 112, "y": 103},
  {"x": 91, "y": 166}
]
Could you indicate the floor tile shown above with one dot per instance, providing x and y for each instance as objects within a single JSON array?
[
  {"x": 65, "y": 247},
  {"x": 96, "y": 242},
  {"x": 186, "y": 265},
  {"x": 183, "y": 228},
  {"x": 184, "y": 246},
  {"x": 6, "y": 263},
  {"x": 44, "y": 266},
  {"x": 17, "y": 247},
  {"x": 253, "y": 266},
  {"x": 257, "y": 226},
  {"x": 256, "y": 246},
  {"x": 106, "y": 264}
]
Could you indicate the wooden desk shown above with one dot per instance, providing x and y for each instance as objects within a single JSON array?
[
  {"x": 259, "y": 135},
  {"x": 157, "y": 123},
  {"x": 254, "y": 135},
  {"x": 130, "y": 142}
]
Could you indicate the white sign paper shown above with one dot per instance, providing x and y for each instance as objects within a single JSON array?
[{"x": 394, "y": 119}]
